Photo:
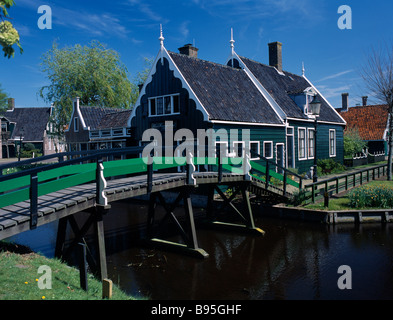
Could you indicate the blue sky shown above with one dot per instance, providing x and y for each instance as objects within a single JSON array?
[{"x": 308, "y": 30}]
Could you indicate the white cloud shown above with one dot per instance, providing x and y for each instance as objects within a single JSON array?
[{"x": 335, "y": 75}]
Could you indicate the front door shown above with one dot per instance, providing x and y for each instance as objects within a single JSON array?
[{"x": 280, "y": 156}]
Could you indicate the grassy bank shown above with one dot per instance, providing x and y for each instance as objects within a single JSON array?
[
  {"x": 19, "y": 278},
  {"x": 343, "y": 202}
]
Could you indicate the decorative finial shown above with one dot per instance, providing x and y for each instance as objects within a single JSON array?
[
  {"x": 161, "y": 38},
  {"x": 232, "y": 42},
  {"x": 303, "y": 70}
]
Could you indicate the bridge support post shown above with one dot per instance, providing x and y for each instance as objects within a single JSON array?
[
  {"x": 246, "y": 215},
  {"x": 187, "y": 230}
]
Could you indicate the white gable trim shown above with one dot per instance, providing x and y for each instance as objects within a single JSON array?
[
  {"x": 163, "y": 53},
  {"x": 78, "y": 113},
  {"x": 328, "y": 103}
]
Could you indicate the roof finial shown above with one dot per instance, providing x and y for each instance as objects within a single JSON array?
[
  {"x": 161, "y": 38},
  {"x": 232, "y": 42},
  {"x": 303, "y": 69}
]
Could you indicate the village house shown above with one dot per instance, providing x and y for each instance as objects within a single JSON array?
[
  {"x": 370, "y": 121},
  {"x": 275, "y": 105},
  {"x": 97, "y": 128},
  {"x": 22, "y": 126}
]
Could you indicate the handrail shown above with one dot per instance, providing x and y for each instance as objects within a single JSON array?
[{"x": 314, "y": 185}]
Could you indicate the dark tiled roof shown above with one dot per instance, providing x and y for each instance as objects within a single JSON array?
[
  {"x": 116, "y": 119},
  {"x": 226, "y": 93},
  {"x": 93, "y": 116},
  {"x": 280, "y": 86},
  {"x": 33, "y": 121},
  {"x": 370, "y": 121}
]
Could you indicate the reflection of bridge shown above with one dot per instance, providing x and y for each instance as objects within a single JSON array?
[{"x": 85, "y": 182}]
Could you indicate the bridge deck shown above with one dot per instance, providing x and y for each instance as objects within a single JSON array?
[{"x": 15, "y": 218}]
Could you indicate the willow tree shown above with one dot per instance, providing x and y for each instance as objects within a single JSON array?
[
  {"x": 91, "y": 72},
  {"x": 377, "y": 73}
]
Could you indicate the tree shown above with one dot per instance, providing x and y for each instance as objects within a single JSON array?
[
  {"x": 353, "y": 143},
  {"x": 377, "y": 72},
  {"x": 93, "y": 73},
  {"x": 3, "y": 100},
  {"x": 8, "y": 34}
]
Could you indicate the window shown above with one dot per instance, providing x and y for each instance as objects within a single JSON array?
[
  {"x": 222, "y": 148},
  {"x": 311, "y": 143},
  {"x": 254, "y": 150},
  {"x": 332, "y": 143},
  {"x": 302, "y": 143},
  {"x": 268, "y": 149},
  {"x": 164, "y": 105},
  {"x": 238, "y": 149},
  {"x": 76, "y": 124}
]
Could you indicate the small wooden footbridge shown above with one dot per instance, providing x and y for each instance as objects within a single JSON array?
[{"x": 55, "y": 187}]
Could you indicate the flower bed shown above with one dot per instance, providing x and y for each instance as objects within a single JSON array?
[{"x": 371, "y": 196}]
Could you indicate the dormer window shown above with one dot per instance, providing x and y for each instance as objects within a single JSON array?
[{"x": 303, "y": 98}]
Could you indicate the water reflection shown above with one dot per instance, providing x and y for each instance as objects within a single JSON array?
[{"x": 294, "y": 260}]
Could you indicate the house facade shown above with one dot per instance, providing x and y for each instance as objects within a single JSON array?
[
  {"x": 22, "y": 126},
  {"x": 370, "y": 121},
  {"x": 183, "y": 91},
  {"x": 97, "y": 128}
]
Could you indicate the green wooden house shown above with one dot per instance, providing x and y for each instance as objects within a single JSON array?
[{"x": 183, "y": 91}]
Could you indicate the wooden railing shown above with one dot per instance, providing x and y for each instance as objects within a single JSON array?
[{"x": 328, "y": 187}]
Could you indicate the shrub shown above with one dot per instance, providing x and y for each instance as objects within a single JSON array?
[
  {"x": 371, "y": 196},
  {"x": 299, "y": 197},
  {"x": 327, "y": 166}
]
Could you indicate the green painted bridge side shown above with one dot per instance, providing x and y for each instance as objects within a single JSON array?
[{"x": 18, "y": 189}]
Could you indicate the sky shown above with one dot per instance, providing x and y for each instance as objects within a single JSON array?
[{"x": 309, "y": 31}]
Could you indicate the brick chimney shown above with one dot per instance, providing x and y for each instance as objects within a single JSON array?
[
  {"x": 11, "y": 104},
  {"x": 364, "y": 101},
  {"x": 275, "y": 55},
  {"x": 344, "y": 101},
  {"x": 189, "y": 50}
]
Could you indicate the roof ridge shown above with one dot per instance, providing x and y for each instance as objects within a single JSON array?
[{"x": 203, "y": 60}]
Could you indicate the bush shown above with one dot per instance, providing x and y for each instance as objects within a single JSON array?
[
  {"x": 327, "y": 166},
  {"x": 370, "y": 196},
  {"x": 299, "y": 197}
]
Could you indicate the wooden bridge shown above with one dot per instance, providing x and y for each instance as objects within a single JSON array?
[{"x": 66, "y": 183}]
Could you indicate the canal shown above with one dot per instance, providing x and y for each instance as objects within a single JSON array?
[{"x": 294, "y": 260}]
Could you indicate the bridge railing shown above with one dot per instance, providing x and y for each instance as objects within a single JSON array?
[
  {"x": 328, "y": 187},
  {"x": 32, "y": 183}
]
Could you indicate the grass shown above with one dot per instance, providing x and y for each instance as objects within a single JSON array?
[
  {"x": 343, "y": 203},
  {"x": 19, "y": 278}
]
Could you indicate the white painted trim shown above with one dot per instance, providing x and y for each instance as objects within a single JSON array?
[
  {"x": 292, "y": 135},
  {"x": 335, "y": 143},
  {"x": 271, "y": 149},
  {"x": 163, "y": 53},
  {"x": 259, "y": 149},
  {"x": 328, "y": 103},
  {"x": 235, "y": 149},
  {"x": 247, "y": 123},
  {"x": 283, "y": 155},
  {"x": 164, "y": 114},
  {"x": 305, "y": 144},
  {"x": 319, "y": 121},
  {"x": 308, "y": 143},
  {"x": 274, "y": 105}
]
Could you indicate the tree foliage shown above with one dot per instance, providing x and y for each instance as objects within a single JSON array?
[
  {"x": 3, "y": 100},
  {"x": 377, "y": 73},
  {"x": 92, "y": 72},
  {"x": 9, "y": 36},
  {"x": 353, "y": 143}
]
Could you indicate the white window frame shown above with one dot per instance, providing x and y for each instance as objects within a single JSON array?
[
  {"x": 293, "y": 146},
  {"x": 305, "y": 143},
  {"x": 235, "y": 146},
  {"x": 163, "y": 107},
  {"x": 334, "y": 143},
  {"x": 271, "y": 149},
  {"x": 259, "y": 149},
  {"x": 308, "y": 143}
]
